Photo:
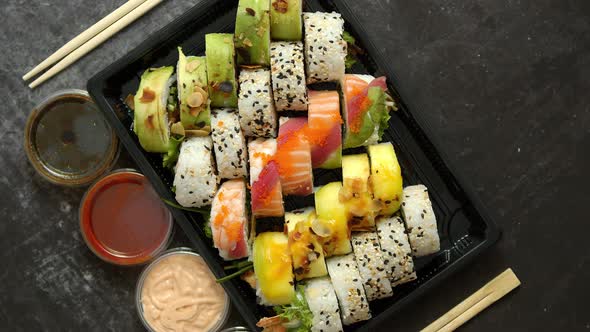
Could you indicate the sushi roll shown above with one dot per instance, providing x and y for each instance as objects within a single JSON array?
[
  {"x": 325, "y": 129},
  {"x": 355, "y": 192},
  {"x": 229, "y": 220},
  {"x": 306, "y": 250},
  {"x": 331, "y": 224},
  {"x": 150, "y": 122},
  {"x": 386, "y": 177},
  {"x": 323, "y": 304},
  {"x": 369, "y": 259},
  {"x": 229, "y": 144},
  {"x": 193, "y": 98},
  {"x": 267, "y": 197},
  {"x": 420, "y": 221},
  {"x": 288, "y": 76},
  {"x": 294, "y": 157},
  {"x": 258, "y": 117},
  {"x": 397, "y": 254},
  {"x": 195, "y": 180},
  {"x": 221, "y": 71},
  {"x": 365, "y": 109},
  {"x": 349, "y": 289},
  {"x": 285, "y": 19},
  {"x": 325, "y": 50},
  {"x": 272, "y": 266},
  {"x": 252, "y": 33}
]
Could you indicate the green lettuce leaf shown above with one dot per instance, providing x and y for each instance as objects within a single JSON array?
[
  {"x": 348, "y": 37},
  {"x": 171, "y": 156},
  {"x": 350, "y": 59},
  {"x": 207, "y": 226},
  {"x": 297, "y": 313}
]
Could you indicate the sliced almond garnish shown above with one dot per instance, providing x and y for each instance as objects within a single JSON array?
[
  {"x": 177, "y": 129},
  {"x": 195, "y": 99},
  {"x": 147, "y": 96},
  {"x": 247, "y": 42},
  {"x": 250, "y": 66},
  {"x": 191, "y": 66},
  {"x": 196, "y": 133},
  {"x": 200, "y": 90}
]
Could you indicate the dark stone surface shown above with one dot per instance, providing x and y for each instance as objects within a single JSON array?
[{"x": 504, "y": 84}]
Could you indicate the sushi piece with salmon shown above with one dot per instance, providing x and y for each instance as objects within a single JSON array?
[
  {"x": 294, "y": 157},
  {"x": 229, "y": 220},
  {"x": 266, "y": 194},
  {"x": 325, "y": 129},
  {"x": 366, "y": 106}
]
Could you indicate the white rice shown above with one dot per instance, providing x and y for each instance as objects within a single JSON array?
[
  {"x": 420, "y": 221},
  {"x": 397, "y": 253},
  {"x": 229, "y": 144},
  {"x": 325, "y": 50},
  {"x": 322, "y": 301},
  {"x": 348, "y": 286},
  {"x": 288, "y": 76},
  {"x": 255, "y": 104},
  {"x": 369, "y": 259},
  {"x": 195, "y": 179}
]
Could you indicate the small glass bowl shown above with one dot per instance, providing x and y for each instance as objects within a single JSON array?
[
  {"x": 70, "y": 137},
  {"x": 104, "y": 253},
  {"x": 236, "y": 329},
  {"x": 175, "y": 251}
]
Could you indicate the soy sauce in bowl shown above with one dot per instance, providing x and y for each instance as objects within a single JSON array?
[{"x": 68, "y": 141}]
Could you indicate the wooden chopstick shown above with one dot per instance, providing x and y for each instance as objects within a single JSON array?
[
  {"x": 96, "y": 41},
  {"x": 84, "y": 37},
  {"x": 477, "y": 302}
]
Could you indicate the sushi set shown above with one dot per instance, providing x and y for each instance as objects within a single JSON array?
[{"x": 277, "y": 134}]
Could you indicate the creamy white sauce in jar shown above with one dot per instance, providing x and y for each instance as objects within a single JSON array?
[{"x": 179, "y": 293}]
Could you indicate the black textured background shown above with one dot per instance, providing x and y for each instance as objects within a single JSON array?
[{"x": 504, "y": 84}]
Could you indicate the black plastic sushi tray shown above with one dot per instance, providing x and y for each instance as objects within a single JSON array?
[{"x": 464, "y": 226}]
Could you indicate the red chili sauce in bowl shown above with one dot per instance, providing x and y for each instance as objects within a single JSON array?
[{"x": 123, "y": 220}]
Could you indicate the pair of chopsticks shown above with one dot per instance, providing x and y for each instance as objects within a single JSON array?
[
  {"x": 90, "y": 39},
  {"x": 474, "y": 304}
]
